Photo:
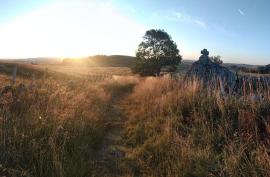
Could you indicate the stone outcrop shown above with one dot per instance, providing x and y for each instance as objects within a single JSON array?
[{"x": 211, "y": 74}]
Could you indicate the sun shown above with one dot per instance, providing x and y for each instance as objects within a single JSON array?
[{"x": 70, "y": 29}]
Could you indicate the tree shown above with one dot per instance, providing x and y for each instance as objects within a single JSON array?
[
  {"x": 156, "y": 51},
  {"x": 216, "y": 59}
]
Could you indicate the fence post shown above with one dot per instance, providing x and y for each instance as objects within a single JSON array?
[{"x": 14, "y": 74}]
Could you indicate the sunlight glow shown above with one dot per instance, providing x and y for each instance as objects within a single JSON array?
[{"x": 70, "y": 29}]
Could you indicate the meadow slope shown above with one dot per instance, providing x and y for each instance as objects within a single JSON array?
[{"x": 59, "y": 125}]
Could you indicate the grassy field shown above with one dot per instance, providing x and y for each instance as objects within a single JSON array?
[
  {"x": 101, "y": 65},
  {"x": 87, "y": 71},
  {"x": 59, "y": 123}
]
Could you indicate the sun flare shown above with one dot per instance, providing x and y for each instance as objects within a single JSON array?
[{"x": 72, "y": 29}]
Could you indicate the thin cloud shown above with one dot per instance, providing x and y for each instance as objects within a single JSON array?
[
  {"x": 241, "y": 12},
  {"x": 201, "y": 24},
  {"x": 181, "y": 16}
]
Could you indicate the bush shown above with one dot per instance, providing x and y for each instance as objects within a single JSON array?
[{"x": 216, "y": 59}]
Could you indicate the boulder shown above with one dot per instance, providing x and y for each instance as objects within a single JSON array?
[{"x": 211, "y": 74}]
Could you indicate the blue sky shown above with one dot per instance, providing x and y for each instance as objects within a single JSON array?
[{"x": 238, "y": 30}]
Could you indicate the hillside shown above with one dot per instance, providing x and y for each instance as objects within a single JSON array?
[
  {"x": 102, "y": 61},
  {"x": 114, "y": 64},
  {"x": 34, "y": 61},
  {"x": 96, "y": 114},
  {"x": 131, "y": 126},
  {"x": 23, "y": 69}
]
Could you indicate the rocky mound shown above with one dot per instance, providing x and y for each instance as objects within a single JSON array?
[{"x": 211, "y": 74}]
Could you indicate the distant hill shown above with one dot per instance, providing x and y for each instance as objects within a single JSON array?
[
  {"x": 23, "y": 69},
  {"x": 35, "y": 61},
  {"x": 110, "y": 61},
  {"x": 43, "y": 60},
  {"x": 241, "y": 65},
  {"x": 102, "y": 61}
]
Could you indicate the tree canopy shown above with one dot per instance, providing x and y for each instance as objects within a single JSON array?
[{"x": 156, "y": 51}]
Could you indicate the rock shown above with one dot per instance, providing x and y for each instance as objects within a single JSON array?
[{"x": 211, "y": 74}]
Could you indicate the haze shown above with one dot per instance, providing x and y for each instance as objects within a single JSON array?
[{"x": 236, "y": 30}]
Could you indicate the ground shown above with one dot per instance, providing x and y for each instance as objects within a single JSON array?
[
  {"x": 110, "y": 153},
  {"x": 104, "y": 121}
]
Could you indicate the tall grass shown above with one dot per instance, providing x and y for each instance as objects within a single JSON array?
[
  {"x": 180, "y": 129},
  {"x": 57, "y": 127},
  {"x": 54, "y": 127}
]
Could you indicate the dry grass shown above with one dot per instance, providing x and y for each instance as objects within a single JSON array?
[
  {"x": 57, "y": 127},
  {"x": 53, "y": 127},
  {"x": 179, "y": 129},
  {"x": 86, "y": 70}
]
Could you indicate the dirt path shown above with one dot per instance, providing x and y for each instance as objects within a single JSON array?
[{"x": 111, "y": 155}]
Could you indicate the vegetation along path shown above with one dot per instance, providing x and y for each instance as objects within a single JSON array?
[{"x": 111, "y": 157}]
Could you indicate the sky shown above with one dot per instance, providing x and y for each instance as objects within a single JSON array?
[{"x": 237, "y": 30}]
